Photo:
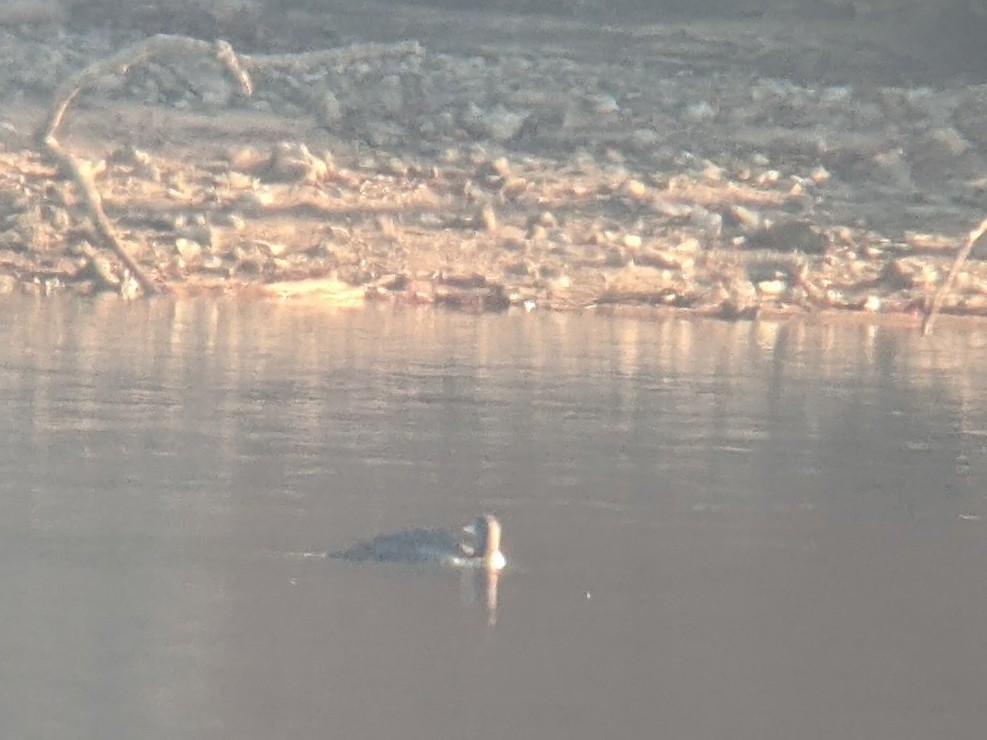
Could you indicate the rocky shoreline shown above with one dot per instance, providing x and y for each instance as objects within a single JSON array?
[{"x": 654, "y": 171}]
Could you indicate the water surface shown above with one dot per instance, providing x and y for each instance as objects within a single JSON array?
[{"x": 716, "y": 530}]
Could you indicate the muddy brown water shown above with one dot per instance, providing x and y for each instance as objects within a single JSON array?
[{"x": 767, "y": 530}]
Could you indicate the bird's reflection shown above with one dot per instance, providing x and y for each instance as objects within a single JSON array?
[{"x": 480, "y": 587}]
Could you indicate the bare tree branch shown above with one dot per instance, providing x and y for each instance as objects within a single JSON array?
[{"x": 961, "y": 255}]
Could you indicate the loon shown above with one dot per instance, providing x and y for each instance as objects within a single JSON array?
[{"x": 435, "y": 546}]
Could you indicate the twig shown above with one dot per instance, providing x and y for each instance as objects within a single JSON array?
[{"x": 933, "y": 309}]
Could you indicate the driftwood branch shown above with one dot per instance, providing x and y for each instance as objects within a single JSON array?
[
  {"x": 940, "y": 296},
  {"x": 345, "y": 55},
  {"x": 235, "y": 65},
  {"x": 119, "y": 64}
]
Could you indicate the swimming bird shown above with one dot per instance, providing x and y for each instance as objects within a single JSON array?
[{"x": 435, "y": 546}]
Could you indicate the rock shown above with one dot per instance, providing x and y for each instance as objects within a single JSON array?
[
  {"x": 871, "y": 303},
  {"x": 547, "y": 220},
  {"x": 912, "y": 272},
  {"x": 247, "y": 159},
  {"x": 294, "y": 162},
  {"x": 189, "y": 250},
  {"x": 790, "y": 236},
  {"x": 892, "y": 167},
  {"x": 602, "y": 104},
  {"x": 472, "y": 295},
  {"x": 746, "y": 217},
  {"x": 499, "y": 123},
  {"x": 513, "y": 188},
  {"x": 772, "y": 287},
  {"x": 328, "y": 110},
  {"x": 708, "y": 222},
  {"x": 700, "y": 112},
  {"x": 644, "y": 139},
  {"x": 636, "y": 189},
  {"x": 488, "y": 217},
  {"x": 389, "y": 96},
  {"x": 501, "y": 167}
]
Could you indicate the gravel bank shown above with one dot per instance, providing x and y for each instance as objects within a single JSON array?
[{"x": 482, "y": 161}]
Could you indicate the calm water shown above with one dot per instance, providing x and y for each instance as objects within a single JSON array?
[{"x": 717, "y": 530}]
